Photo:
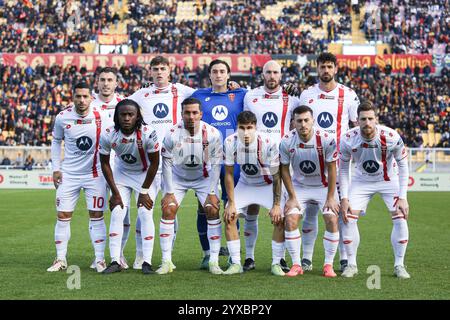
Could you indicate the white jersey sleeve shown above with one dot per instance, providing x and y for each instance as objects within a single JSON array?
[
  {"x": 353, "y": 102},
  {"x": 152, "y": 144},
  {"x": 105, "y": 142},
  {"x": 330, "y": 149},
  {"x": 285, "y": 157},
  {"x": 230, "y": 150},
  {"x": 167, "y": 146}
]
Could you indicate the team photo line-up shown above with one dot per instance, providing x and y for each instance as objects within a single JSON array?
[{"x": 270, "y": 147}]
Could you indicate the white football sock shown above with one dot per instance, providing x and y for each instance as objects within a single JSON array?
[
  {"x": 251, "y": 234},
  {"x": 292, "y": 242},
  {"x": 97, "y": 231},
  {"x": 351, "y": 238},
  {"x": 166, "y": 230},
  {"x": 399, "y": 238},
  {"x": 126, "y": 231},
  {"x": 277, "y": 252},
  {"x": 62, "y": 237},
  {"x": 175, "y": 229},
  {"x": 147, "y": 233},
  {"x": 330, "y": 244},
  {"x": 341, "y": 247},
  {"x": 138, "y": 238},
  {"x": 310, "y": 228},
  {"x": 214, "y": 237},
  {"x": 115, "y": 232},
  {"x": 234, "y": 248}
]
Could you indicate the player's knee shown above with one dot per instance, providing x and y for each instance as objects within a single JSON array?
[
  {"x": 212, "y": 213},
  {"x": 291, "y": 222},
  {"x": 64, "y": 215},
  {"x": 95, "y": 214},
  {"x": 169, "y": 212},
  {"x": 331, "y": 221}
]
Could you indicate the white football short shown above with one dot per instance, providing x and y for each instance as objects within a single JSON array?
[
  {"x": 312, "y": 197},
  {"x": 361, "y": 193},
  {"x": 127, "y": 181},
  {"x": 68, "y": 193},
  {"x": 200, "y": 186},
  {"x": 246, "y": 195}
]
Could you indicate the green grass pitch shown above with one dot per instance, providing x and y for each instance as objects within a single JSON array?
[{"x": 27, "y": 225}]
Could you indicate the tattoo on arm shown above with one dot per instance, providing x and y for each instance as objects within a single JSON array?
[{"x": 276, "y": 188}]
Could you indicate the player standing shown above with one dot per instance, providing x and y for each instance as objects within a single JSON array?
[
  {"x": 374, "y": 148},
  {"x": 334, "y": 107},
  {"x": 80, "y": 127},
  {"x": 105, "y": 101},
  {"x": 221, "y": 106},
  {"x": 259, "y": 183},
  {"x": 161, "y": 109},
  {"x": 273, "y": 107},
  {"x": 192, "y": 155},
  {"x": 137, "y": 160},
  {"x": 313, "y": 155}
]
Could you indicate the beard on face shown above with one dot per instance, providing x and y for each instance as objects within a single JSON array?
[{"x": 326, "y": 78}]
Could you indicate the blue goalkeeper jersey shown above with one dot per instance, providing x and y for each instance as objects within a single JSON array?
[{"x": 220, "y": 109}]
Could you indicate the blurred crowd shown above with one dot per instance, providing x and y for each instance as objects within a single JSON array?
[{"x": 409, "y": 26}]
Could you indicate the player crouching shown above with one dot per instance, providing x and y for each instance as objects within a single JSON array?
[
  {"x": 312, "y": 154},
  {"x": 192, "y": 155},
  {"x": 259, "y": 184},
  {"x": 136, "y": 163}
]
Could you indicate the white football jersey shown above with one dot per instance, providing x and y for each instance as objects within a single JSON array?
[
  {"x": 273, "y": 111},
  {"x": 107, "y": 108},
  {"x": 193, "y": 155},
  {"x": 131, "y": 151},
  {"x": 161, "y": 108},
  {"x": 309, "y": 159},
  {"x": 255, "y": 160},
  {"x": 81, "y": 137},
  {"x": 374, "y": 159},
  {"x": 332, "y": 110}
]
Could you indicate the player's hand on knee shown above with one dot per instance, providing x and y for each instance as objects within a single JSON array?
[
  {"x": 402, "y": 207},
  {"x": 114, "y": 201},
  {"x": 291, "y": 204},
  {"x": 331, "y": 205},
  {"x": 57, "y": 178},
  {"x": 275, "y": 214},
  {"x": 229, "y": 213},
  {"x": 345, "y": 209},
  {"x": 233, "y": 85},
  {"x": 144, "y": 200}
]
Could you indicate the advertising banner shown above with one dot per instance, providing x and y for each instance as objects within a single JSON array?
[{"x": 239, "y": 63}]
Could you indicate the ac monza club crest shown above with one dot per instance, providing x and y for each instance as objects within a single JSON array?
[
  {"x": 114, "y": 145},
  {"x": 231, "y": 96},
  {"x": 68, "y": 126},
  {"x": 311, "y": 101},
  {"x": 146, "y": 95},
  {"x": 255, "y": 100}
]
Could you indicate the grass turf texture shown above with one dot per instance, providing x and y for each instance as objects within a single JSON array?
[{"x": 27, "y": 220}]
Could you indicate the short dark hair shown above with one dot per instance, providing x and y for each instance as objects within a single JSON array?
[
  {"x": 82, "y": 85},
  {"x": 302, "y": 109},
  {"x": 246, "y": 117},
  {"x": 191, "y": 100},
  {"x": 326, "y": 57},
  {"x": 218, "y": 61},
  {"x": 128, "y": 102},
  {"x": 366, "y": 105},
  {"x": 159, "y": 60},
  {"x": 108, "y": 70}
]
